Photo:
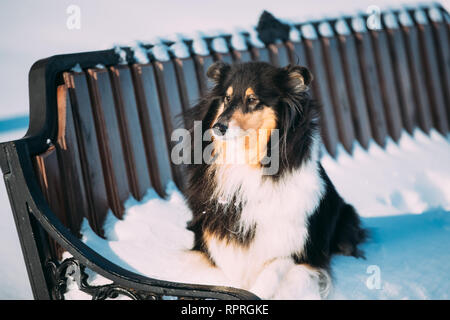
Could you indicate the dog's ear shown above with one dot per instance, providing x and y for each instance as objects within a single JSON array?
[
  {"x": 298, "y": 78},
  {"x": 217, "y": 71}
]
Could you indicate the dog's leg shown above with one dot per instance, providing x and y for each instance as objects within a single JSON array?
[
  {"x": 271, "y": 276},
  {"x": 303, "y": 282}
]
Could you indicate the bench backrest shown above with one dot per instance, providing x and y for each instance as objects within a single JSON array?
[{"x": 114, "y": 124}]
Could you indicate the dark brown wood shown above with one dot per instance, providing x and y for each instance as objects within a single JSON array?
[
  {"x": 152, "y": 125},
  {"x": 225, "y": 57},
  {"x": 432, "y": 78},
  {"x": 48, "y": 173},
  {"x": 321, "y": 91},
  {"x": 296, "y": 53},
  {"x": 130, "y": 131},
  {"x": 171, "y": 110},
  {"x": 356, "y": 96},
  {"x": 279, "y": 55},
  {"x": 91, "y": 164},
  {"x": 402, "y": 75},
  {"x": 202, "y": 63},
  {"x": 109, "y": 139},
  {"x": 242, "y": 56},
  {"x": 169, "y": 96},
  {"x": 417, "y": 69},
  {"x": 72, "y": 174},
  {"x": 372, "y": 88},
  {"x": 262, "y": 54},
  {"x": 387, "y": 84},
  {"x": 187, "y": 82},
  {"x": 441, "y": 31},
  {"x": 338, "y": 91}
]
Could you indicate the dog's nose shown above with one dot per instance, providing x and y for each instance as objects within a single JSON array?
[{"x": 220, "y": 129}]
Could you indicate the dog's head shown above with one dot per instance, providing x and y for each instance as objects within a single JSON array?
[
  {"x": 252, "y": 95},
  {"x": 257, "y": 98}
]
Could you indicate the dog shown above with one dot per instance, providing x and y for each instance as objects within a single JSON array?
[{"x": 272, "y": 232}]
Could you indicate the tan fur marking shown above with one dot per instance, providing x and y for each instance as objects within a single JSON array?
[
  {"x": 249, "y": 92},
  {"x": 264, "y": 118},
  {"x": 261, "y": 123}
]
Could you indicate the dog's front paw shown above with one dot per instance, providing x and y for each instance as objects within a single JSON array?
[
  {"x": 269, "y": 279},
  {"x": 303, "y": 282}
]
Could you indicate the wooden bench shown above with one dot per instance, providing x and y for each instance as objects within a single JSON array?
[{"x": 99, "y": 136}]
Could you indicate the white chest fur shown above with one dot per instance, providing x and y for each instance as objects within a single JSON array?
[{"x": 278, "y": 210}]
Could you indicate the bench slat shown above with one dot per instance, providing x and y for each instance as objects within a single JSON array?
[
  {"x": 338, "y": 91},
  {"x": 202, "y": 63},
  {"x": 48, "y": 171},
  {"x": 187, "y": 82},
  {"x": 356, "y": 96},
  {"x": 433, "y": 81},
  {"x": 261, "y": 54},
  {"x": 278, "y": 55},
  {"x": 109, "y": 140},
  {"x": 417, "y": 70},
  {"x": 91, "y": 164},
  {"x": 321, "y": 91},
  {"x": 402, "y": 77},
  {"x": 131, "y": 133},
  {"x": 296, "y": 53},
  {"x": 171, "y": 109},
  {"x": 225, "y": 57},
  {"x": 387, "y": 84},
  {"x": 372, "y": 88},
  {"x": 442, "y": 42},
  {"x": 242, "y": 56},
  {"x": 69, "y": 155},
  {"x": 154, "y": 135}
]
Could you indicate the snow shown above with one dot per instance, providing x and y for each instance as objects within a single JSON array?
[
  {"x": 402, "y": 193},
  {"x": 121, "y": 53},
  {"x": 435, "y": 15},
  {"x": 421, "y": 17},
  {"x": 199, "y": 46},
  {"x": 77, "y": 68},
  {"x": 294, "y": 34},
  {"x": 359, "y": 24},
  {"x": 308, "y": 31},
  {"x": 140, "y": 54},
  {"x": 254, "y": 40},
  {"x": 102, "y": 25},
  {"x": 342, "y": 27},
  {"x": 220, "y": 45},
  {"x": 325, "y": 29},
  {"x": 238, "y": 41},
  {"x": 405, "y": 19},
  {"x": 180, "y": 50},
  {"x": 160, "y": 52}
]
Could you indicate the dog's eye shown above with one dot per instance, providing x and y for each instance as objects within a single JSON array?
[
  {"x": 227, "y": 99},
  {"x": 251, "y": 100}
]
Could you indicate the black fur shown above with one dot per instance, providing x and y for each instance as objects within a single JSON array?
[
  {"x": 271, "y": 29},
  {"x": 334, "y": 228}
]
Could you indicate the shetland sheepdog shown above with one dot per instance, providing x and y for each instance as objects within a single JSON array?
[{"x": 272, "y": 219}]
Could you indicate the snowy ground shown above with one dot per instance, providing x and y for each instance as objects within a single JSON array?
[
  {"x": 31, "y": 30},
  {"x": 403, "y": 195}
]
